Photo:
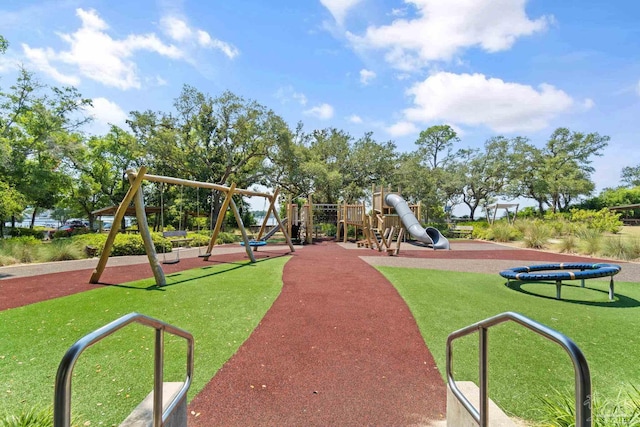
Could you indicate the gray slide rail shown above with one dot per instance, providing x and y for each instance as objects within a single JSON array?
[{"x": 430, "y": 236}]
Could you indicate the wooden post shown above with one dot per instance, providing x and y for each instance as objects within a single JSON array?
[
  {"x": 143, "y": 228},
  {"x": 287, "y": 236},
  {"x": 220, "y": 220},
  {"x": 104, "y": 257},
  {"x": 245, "y": 238}
]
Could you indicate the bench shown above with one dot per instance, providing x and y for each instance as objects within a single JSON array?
[
  {"x": 177, "y": 237},
  {"x": 462, "y": 230}
]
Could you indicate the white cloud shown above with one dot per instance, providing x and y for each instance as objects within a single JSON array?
[
  {"x": 98, "y": 56},
  {"x": 366, "y": 76},
  {"x": 474, "y": 99},
  {"x": 176, "y": 28},
  {"x": 354, "y": 118},
  {"x": 441, "y": 29},
  {"x": 179, "y": 30},
  {"x": 40, "y": 59},
  {"x": 288, "y": 93},
  {"x": 339, "y": 8},
  {"x": 95, "y": 55},
  {"x": 322, "y": 111},
  {"x": 106, "y": 113},
  {"x": 402, "y": 128}
]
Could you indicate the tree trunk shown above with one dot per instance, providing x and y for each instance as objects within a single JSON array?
[{"x": 33, "y": 217}]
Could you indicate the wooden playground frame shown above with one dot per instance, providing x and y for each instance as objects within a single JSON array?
[
  {"x": 382, "y": 218},
  {"x": 133, "y": 194}
]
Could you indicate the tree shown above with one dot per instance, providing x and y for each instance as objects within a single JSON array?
[
  {"x": 631, "y": 176},
  {"x": 37, "y": 127},
  {"x": 435, "y": 145},
  {"x": 559, "y": 173},
  {"x": 486, "y": 173},
  {"x": 4, "y": 44},
  {"x": 12, "y": 203},
  {"x": 220, "y": 140},
  {"x": 567, "y": 158}
]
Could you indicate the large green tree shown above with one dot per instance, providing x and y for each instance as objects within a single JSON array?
[
  {"x": 486, "y": 172},
  {"x": 36, "y": 121},
  {"x": 219, "y": 140},
  {"x": 630, "y": 176}
]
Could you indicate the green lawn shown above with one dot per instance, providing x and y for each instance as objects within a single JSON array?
[
  {"x": 220, "y": 305},
  {"x": 525, "y": 367}
]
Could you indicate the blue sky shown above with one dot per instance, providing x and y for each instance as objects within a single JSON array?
[{"x": 485, "y": 67}]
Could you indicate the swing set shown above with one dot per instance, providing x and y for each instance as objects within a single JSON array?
[{"x": 136, "y": 195}]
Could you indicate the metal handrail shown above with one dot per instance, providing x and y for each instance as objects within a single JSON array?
[
  {"x": 62, "y": 390},
  {"x": 581, "y": 368}
]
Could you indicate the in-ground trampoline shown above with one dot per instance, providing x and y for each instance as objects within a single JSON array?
[{"x": 559, "y": 271}]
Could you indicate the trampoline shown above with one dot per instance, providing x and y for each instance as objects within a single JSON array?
[{"x": 560, "y": 271}]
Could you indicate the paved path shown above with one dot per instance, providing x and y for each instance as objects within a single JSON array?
[{"x": 339, "y": 347}]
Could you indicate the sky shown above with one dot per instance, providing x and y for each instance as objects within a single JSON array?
[{"x": 394, "y": 68}]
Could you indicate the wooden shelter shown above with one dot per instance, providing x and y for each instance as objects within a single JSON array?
[
  {"x": 626, "y": 220},
  {"x": 492, "y": 211}
]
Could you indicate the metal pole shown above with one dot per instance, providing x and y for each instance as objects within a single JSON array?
[
  {"x": 483, "y": 379},
  {"x": 158, "y": 380}
]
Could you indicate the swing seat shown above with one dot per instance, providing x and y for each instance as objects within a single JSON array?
[
  {"x": 255, "y": 244},
  {"x": 204, "y": 255},
  {"x": 172, "y": 261}
]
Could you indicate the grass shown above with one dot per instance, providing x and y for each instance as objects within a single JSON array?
[
  {"x": 219, "y": 304},
  {"x": 523, "y": 367}
]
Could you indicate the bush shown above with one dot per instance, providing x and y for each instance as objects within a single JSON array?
[
  {"x": 226, "y": 237},
  {"x": 536, "y": 235},
  {"x": 502, "y": 232},
  {"x": 621, "y": 249},
  {"x": 328, "y": 229},
  {"x": 62, "y": 250},
  {"x": 568, "y": 244},
  {"x": 38, "y": 233},
  {"x": 602, "y": 220},
  {"x": 590, "y": 241},
  {"x": 559, "y": 410},
  {"x": 22, "y": 249}
]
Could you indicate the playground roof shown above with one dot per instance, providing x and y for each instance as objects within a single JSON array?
[
  {"x": 624, "y": 207},
  {"x": 503, "y": 206}
]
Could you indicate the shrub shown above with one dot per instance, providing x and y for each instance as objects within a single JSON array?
[
  {"x": 38, "y": 233},
  {"x": 536, "y": 235},
  {"x": 199, "y": 239},
  {"x": 558, "y": 410},
  {"x": 501, "y": 232},
  {"x": 23, "y": 249},
  {"x": 7, "y": 260},
  {"x": 602, "y": 220},
  {"x": 63, "y": 250},
  {"x": 590, "y": 241},
  {"x": 328, "y": 229},
  {"x": 568, "y": 244},
  {"x": 226, "y": 237},
  {"x": 621, "y": 249}
]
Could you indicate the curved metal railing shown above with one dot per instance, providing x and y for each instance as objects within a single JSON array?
[
  {"x": 581, "y": 368},
  {"x": 62, "y": 391}
]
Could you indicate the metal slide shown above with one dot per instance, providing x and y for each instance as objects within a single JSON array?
[
  {"x": 430, "y": 235},
  {"x": 274, "y": 230}
]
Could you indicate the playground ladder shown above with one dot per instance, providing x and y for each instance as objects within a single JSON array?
[
  {"x": 581, "y": 368},
  {"x": 62, "y": 390}
]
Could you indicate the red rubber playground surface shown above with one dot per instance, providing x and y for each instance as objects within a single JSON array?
[{"x": 338, "y": 347}]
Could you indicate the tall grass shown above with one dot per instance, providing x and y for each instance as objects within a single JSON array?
[
  {"x": 624, "y": 411},
  {"x": 590, "y": 241},
  {"x": 502, "y": 232},
  {"x": 625, "y": 249},
  {"x": 536, "y": 235},
  {"x": 568, "y": 244}
]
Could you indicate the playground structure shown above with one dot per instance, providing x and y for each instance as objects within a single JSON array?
[
  {"x": 557, "y": 272},
  {"x": 387, "y": 226},
  {"x": 136, "y": 195}
]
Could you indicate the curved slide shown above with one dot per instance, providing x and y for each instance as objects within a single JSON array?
[{"x": 430, "y": 235}]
